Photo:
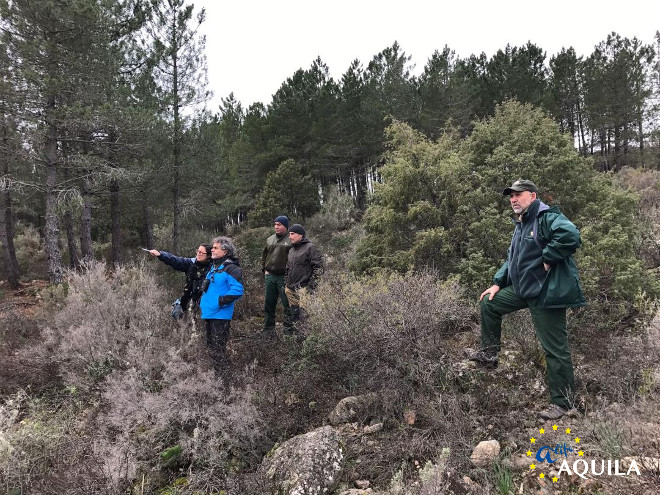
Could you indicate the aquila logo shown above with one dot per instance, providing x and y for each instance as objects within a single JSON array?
[{"x": 559, "y": 451}]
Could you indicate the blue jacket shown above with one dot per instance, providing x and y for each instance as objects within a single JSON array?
[{"x": 225, "y": 287}]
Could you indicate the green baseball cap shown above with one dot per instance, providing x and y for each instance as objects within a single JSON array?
[{"x": 521, "y": 185}]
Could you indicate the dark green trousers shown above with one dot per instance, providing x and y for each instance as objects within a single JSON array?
[
  {"x": 274, "y": 291},
  {"x": 550, "y": 327}
]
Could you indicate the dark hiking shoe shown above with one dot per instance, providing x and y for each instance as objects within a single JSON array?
[
  {"x": 484, "y": 358},
  {"x": 553, "y": 412}
]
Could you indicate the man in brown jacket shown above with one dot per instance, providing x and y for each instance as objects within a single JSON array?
[{"x": 303, "y": 270}]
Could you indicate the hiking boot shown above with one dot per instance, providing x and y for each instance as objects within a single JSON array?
[
  {"x": 484, "y": 358},
  {"x": 553, "y": 412}
]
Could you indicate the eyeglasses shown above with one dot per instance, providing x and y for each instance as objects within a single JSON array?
[{"x": 201, "y": 251}]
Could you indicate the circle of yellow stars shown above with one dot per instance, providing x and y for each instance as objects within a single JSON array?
[{"x": 532, "y": 441}]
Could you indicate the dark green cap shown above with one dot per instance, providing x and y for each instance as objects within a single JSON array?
[{"x": 521, "y": 185}]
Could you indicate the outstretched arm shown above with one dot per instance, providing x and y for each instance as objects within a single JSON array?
[{"x": 177, "y": 262}]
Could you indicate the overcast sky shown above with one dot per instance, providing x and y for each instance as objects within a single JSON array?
[{"x": 253, "y": 46}]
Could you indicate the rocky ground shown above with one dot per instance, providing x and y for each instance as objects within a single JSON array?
[{"x": 323, "y": 444}]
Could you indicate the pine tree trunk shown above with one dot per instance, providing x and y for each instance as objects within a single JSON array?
[
  {"x": 86, "y": 222},
  {"x": 7, "y": 239},
  {"x": 148, "y": 233},
  {"x": 116, "y": 226},
  {"x": 74, "y": 259},
  {"x": 52, "y": 229},
  {"x": 361, "y": 189},
  {"x": 581, "y": 127},
  {"x": 176, "y": 189},
  {"x": 617, "y": 146},
  {"x": 177, "y": 138},
  {"x": 624, "y": 159},
  {"x": 7, "y": 223},
  {"x": 71, "y": 239}
]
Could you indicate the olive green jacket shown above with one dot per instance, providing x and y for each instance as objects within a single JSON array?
[{"x": 274, "y": 257}]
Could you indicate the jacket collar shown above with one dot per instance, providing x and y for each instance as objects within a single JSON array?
[{"x": 534, "y": 210}]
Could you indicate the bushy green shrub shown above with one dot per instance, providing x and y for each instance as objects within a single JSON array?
[
  {"x": 410, "y": 213},
  {"x": 30, "y": 252},
  {"x": 440, "y": 205}
]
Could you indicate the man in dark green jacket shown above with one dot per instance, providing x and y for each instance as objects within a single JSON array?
[
  {"x": 539, "y": 274},
  {"x": 273, "y": 265}
]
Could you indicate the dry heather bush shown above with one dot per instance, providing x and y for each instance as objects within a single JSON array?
[
  {"x": 372, "y": 334},
  {"x": 214, "y": 430},
  {"x": 110, "y": 321},
  {"x": 47, "y": 452},
  {"x": 390, "y": 335},
  {"x": 163, "y": 411}
]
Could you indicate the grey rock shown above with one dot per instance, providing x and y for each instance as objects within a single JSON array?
[
  {"x": 373, "y": 428},
  {"x": 362, "y": 484},
  {"x": 485, "y": 453},
  {"x": 349, "y": 408},
  {"x": 308, "y": 464}
]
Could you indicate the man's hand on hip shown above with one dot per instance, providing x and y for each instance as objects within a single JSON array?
[{"x": 492, "y": 290}]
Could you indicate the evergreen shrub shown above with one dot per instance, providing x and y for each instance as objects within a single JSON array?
[{"x": 440, "y": 205}]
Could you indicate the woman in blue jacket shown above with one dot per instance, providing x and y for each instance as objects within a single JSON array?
[{"x": 222, "y": 287}]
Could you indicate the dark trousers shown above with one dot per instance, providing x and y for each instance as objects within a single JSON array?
[
  {"x": 217, "y": 335},
  {"x": 274, "y": 291},
  {"x": 550, "y": 327}
]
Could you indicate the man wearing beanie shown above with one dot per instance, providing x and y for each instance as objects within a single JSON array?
[
  {"x": 273, "y": 265},
  {"x": 303, "y": 270}
]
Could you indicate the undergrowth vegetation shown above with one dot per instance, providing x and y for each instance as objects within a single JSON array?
[
  {"x": 103, "y": 392},
  {"x": 138, "y": 408}
]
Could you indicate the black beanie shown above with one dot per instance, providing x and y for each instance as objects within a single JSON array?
[
  {"x": 283, "y": 220},
  {"x": 298, "y": 229}
]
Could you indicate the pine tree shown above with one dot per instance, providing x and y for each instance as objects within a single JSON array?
[{"x": 180, "y": 73}]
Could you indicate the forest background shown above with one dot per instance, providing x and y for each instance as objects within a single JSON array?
[{"x": 105, "y": 146}]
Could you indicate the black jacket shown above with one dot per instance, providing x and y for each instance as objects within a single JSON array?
[
  {"x": 304, "y": 265},
  {"x": 195, "y": 275}
]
